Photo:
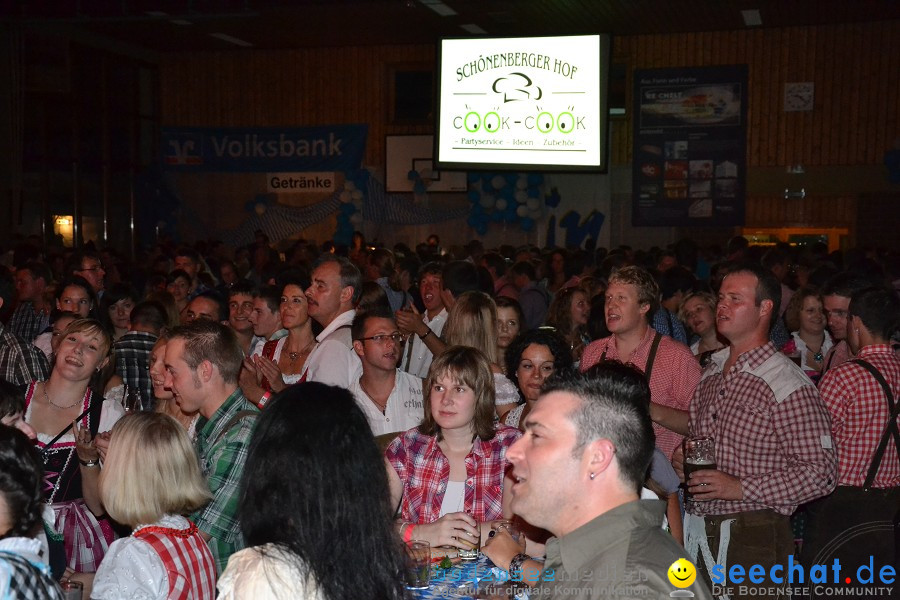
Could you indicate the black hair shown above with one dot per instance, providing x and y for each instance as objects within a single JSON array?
[
  {"x": 292, "y": 276},
  {"x": 12, "y": 399},
  {"x": 21, "y": 482},
  {"x": 149, "y": 313},
  {"x": 7, "y": 288},
  {"x": 38, "y": 270},
  {"x": 559, "y": 348},
  {"x": 846, "y": 284},
  {"x": 315, "y": 485},
  {"x": 190, "y": 253},
  {"x": 178, "y": 273},
  {"x": 216, "y": 297},
  {"x": 615, "y": 405},
  {"x": 674, "y": 280},
  {"x": 523, "y": 267},
  {"x": 378, "y": 311},
  {"x": 459, "y": 277},
  {"x": 767, "y": 286},
  {"x": 879, "y": 310},
  {"x": 242, "y": 287}
]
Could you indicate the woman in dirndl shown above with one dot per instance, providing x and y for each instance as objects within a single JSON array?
[{"x": 73, "y": 395}]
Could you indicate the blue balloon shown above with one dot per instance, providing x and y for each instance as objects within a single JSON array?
[
  {"x": 527, "y": 224},
  {"x": 535, "y": 179},
  {"x": 472, "y": 177},
  {"x": 511, "y": 179},
  {"x": 497, "y": 216},
  {"x": 534, "y": 193},
  {"x": 481, "y": 228},
  {"x": 507, "y": 193},
  {"x": 419, "y": 186},
  {"x": 474, "y": 196},
  {"x": 412, "y": 175},
  {"x": 347, "y": 209}
]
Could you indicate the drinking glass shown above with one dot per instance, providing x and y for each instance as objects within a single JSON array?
[
  {"x": 514, "y": 531},
  {"x": 418, "y": 564},
  {"x": 72, "y": 590},
  {"x": 699, "y": 454},
  {"x": 131, "y": 402},
  {"x": 474, "y": 544}
]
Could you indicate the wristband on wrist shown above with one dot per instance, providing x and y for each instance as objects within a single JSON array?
[
  {"x": 427, "y": 333},
  {"x": 264, "y": 399},
  {"x": 94, "y": 462},
  {"x": 515, "y": 565},
  {"x": 408, "y": 532}
]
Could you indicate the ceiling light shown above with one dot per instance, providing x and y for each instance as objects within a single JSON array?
[
  {"x": 439, "y": 7},
  {"x": 473, "y": 28},
  {"x": 180, "y": 22},
  {"x": 230, "y": 39},
  {"x": 751, "y": 17}
]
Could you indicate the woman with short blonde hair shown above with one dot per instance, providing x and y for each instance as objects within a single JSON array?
[{"x": 151, "y": 478}]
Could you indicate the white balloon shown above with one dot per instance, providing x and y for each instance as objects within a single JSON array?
[
  {"x": 534, "y": 214},
  {"x": 356, "y": 218},
  {"x": 357, "y": 204},
  {"x": 345, "y": 196},
  {"x": 521, "y": 196},
  {"x": 501, "y": 203},
  {"x": 356, "y": 195},
  {"x": 522, "y": 182},
  {"x": 487, "y": 201},
  {"x": 349, "y": 185},
  {"x": 522, "y": 211},
  {"x": 260, "y": 208},
  {"x": 498, "y": 181},
  {"x": 534, "y": 203}
]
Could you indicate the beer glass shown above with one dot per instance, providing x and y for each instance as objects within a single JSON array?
[{"x": 699, "y": 454}]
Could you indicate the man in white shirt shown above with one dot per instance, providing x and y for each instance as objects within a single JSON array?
[
  {"x": 335, "y": 289},
  {"x": 423, "y": 330},
  {"x": 390, "y": 398}
]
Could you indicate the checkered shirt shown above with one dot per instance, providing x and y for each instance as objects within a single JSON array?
[
  {"x": 222, "y": 458},
  {"x": 770, "y": 429},
  {"x": 672, "y": 382},
  {"x": 189, "y": 565},
  {"x": 859, "y": 412},
  {"x": 26, "y": 324},
  {"x": 425, "y": 471},
  {"x": 20, "y": 362},
  {"x": 132, "y": 352},
  {"x": 25, "y": 580},
  {"x": 837, "y": 355}
]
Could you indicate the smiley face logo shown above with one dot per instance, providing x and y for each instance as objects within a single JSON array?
[{"x": 682, "y": 573}]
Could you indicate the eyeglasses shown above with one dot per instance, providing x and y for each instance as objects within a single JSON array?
[
  {"x": 97, "y": 268},
  {"x": 397, "y": 337},
  {"x": 840, "y": 314}
]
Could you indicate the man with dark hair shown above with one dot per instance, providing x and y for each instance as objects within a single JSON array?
[
  {"x": 773, "y": 444},
  {"x": 858, "y": 396},
  {"x": 20, "y": 362},
  {"x": 132, "y": 350},
  {"x": 266, "y": 317},
  {"x": 578, "y": 473},
  {"x": 203, "y": 360},
  {"x": 188, "y": 260},
  {"x": 32, "y": 315},
  {"x": 674, "y": 283},
  {"x": 673, "y": 372},
  {"x": 390, "y": 398},
  {"x": 778, "y": 261},
  {"x": 240, "y": 308},
  {"x": 457, "y": 278},
  {"x": 335, "y": 289},
  {"x": 836, "y": 295},
  {"x": 206, "y": 305},
  {"x": 427, "y": 327},
  {"x": 534, "y": 299},
  {"x": 86, "y": 263},
  {"x": 382, "y": 269},
  {"x": 496, "y": 266}
]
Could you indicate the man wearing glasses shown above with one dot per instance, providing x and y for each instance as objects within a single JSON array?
[
  {"x": 87, "y": 264},
  {"x": 836, "y": 295},
  {"x": 390, "y": 398}
]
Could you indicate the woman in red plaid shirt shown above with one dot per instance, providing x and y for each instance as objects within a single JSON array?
[{"x": 449, "y": 474}]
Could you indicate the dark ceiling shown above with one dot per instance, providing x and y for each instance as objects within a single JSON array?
[{"x": 146, "y": 28}]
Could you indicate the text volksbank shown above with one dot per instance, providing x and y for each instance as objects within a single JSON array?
[{"x": 252, "y": 146}]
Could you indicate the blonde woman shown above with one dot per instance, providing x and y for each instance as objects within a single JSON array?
[
  {"x": 151, "y": 478},
  {"x": 472, "y": 322}
]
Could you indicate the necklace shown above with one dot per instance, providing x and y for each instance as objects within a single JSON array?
[
  {"x": 293, "y": 355},
  {"x": 52, "y": 403}
]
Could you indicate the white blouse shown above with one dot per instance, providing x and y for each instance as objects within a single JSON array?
[
  {"x": 133, "y": 569},
  {"x": 274, "y": 574}
]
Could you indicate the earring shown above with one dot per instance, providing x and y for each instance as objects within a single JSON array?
[{"x": 593, "y": 475}]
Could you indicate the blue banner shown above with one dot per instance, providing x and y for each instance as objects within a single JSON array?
[{"x": 236, "y": 150}]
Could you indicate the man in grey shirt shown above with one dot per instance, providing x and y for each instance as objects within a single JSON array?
[{"x": 578, "y": 472}]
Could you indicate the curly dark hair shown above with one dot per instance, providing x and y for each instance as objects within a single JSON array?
[
  {"x": 21, "y": 482},
  {"x": 315, "y": 484},
  {"x": 559, "y": 348}
]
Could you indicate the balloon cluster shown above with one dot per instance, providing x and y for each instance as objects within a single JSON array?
[
  {"x": 505, "y": 198},
  {"x": 350, "y": 213},
  {"x": 260, "y": 204}
]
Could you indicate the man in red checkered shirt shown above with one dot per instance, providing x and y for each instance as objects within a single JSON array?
[
  {"x": 631, "y": 300},
  {"x": 859, "y": 413},
  {"x": 772, "y": 437}
]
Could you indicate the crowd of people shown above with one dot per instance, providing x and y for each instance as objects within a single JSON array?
[{"x": 246, "y": 424}]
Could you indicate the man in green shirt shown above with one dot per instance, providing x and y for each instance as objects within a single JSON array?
[
  {"x": 579, "y": 470},
  {"x": 203, "y": 361}
]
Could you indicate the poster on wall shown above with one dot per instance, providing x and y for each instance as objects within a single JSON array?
[{"x": 690, "y": 146}]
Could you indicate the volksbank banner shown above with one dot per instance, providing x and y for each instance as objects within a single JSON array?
[{"x": 329, "y": 148}]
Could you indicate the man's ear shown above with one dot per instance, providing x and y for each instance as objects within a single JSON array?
[
  {"x": 205, "y": 370},
  {"x": 358, "y": 347},
  {"x": 346, "y": 294},
  {"x": 599, "y": 455},
  {"x": 765, "y": 307}
]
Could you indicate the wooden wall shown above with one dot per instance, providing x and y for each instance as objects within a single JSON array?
[{"x": 855, "y": 68}]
